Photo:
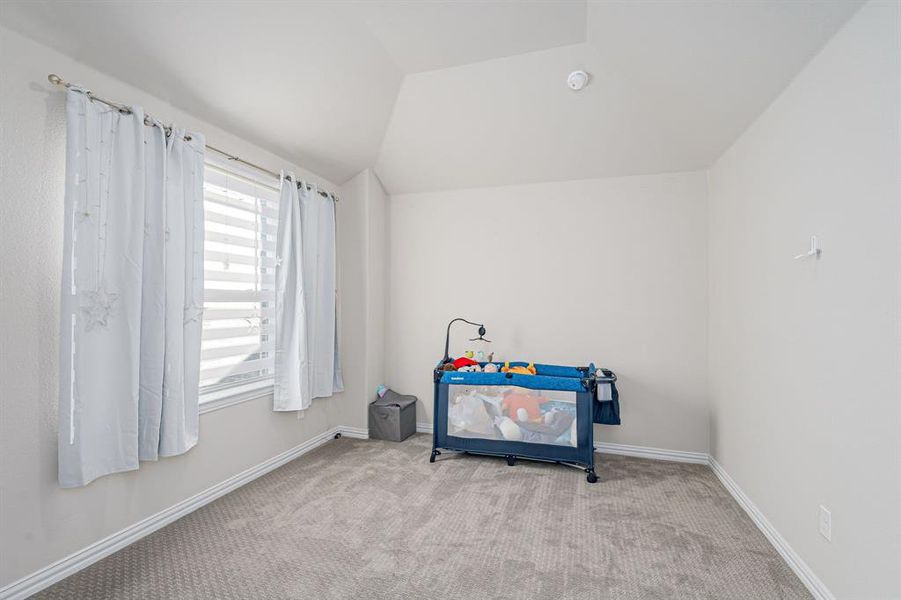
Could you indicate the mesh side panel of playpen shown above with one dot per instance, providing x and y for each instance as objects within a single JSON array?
[{"x": 512, "y": 413}]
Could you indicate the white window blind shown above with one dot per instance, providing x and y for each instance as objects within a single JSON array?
[{"x": 241, "y": 217}]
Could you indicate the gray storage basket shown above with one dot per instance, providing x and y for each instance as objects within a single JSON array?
[{"x": 392, "y": 417}]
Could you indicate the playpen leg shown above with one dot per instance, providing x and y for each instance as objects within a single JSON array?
[
  {"x": 592, "y": 476},
  {"x": 511, "y": 460},
  {"x": 434, "y": 454}
]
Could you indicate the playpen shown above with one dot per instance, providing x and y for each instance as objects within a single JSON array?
[{"x": 548, "y": 416}]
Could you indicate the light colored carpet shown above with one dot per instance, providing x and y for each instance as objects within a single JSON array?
[{"x": 375, "y": 520}]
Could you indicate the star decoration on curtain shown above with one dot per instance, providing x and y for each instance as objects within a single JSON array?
[
  {"x": 97, "y": 307},
  {"x": 193, "y": 312},
  {"x": 85, "y": 215}
]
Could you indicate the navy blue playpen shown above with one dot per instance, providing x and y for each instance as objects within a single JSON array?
[{"x": 548, "y": 416}]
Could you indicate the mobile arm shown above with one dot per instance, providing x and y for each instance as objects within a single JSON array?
[{"x": 481, "y": 327}]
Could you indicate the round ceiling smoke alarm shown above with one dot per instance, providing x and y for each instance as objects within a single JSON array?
[{"x": 577, "y": 80}]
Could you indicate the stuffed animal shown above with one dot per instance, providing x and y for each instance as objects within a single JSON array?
[
  {"x": 468, "y": 413},
  {"x": 480, "y": 356},
  {"x": 469, "y": 354},
  {"x": 470, "y": 369},
  {"x": 463, "y": 362},
  {"x": 490, "y": 368},
  {"x": 529, "y": 370},
  {"x": 508, "y": 429},
  {"x": 523, "y": 407},
  {"x": 448, "y": 367}
]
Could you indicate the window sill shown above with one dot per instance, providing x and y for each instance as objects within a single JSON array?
[{"x": 228, "y": 398}]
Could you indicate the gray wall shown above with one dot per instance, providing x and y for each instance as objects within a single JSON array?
[
  {"x": 804, "y": 355},
  {"x": 39, "y": 522},
  {"x": 361, "y": 239},
  {"x": 376, "y": 281},
  {"x": 606, "y": 270}
]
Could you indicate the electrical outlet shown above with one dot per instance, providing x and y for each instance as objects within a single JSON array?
[{"x": 825, "y": 523}]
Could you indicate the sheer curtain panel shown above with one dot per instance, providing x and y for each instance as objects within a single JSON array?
[
  {"x": 292, "y": 370},
  {"x": 307, "y": 362},
  {"x": 320, "y": 270},
  {"x": 132, "y": 291}
]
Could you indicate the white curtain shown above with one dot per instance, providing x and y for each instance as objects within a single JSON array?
[
  {"x": 132, "y": 291},
  {"x": 317, "y": 218},
  {"x": 306, "y": 351},
  {"x": 292, "y": 369}
]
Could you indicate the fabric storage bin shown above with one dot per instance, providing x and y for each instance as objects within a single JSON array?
[{"x": 392, "y": 417}]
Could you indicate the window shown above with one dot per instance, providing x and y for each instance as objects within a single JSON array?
[{"x": 241, "y": 218}]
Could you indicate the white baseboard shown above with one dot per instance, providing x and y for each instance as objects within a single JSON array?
[
  {"x": 360, "y": 433},
  {"x": 813, "y": 583},
  {"x": 37, "y": 581},
  {"x": 698, "y": 458}
]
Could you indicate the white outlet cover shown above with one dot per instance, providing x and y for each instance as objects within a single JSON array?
[{"x": 825, "y": 523}]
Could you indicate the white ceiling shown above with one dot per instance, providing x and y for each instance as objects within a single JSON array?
[
  {"x": 295, "y": 78},
  {"x": 448, "y": 94},
  {"x": 673, "y": 85},
  {"x": 513, "y": 120},
  {"x": 424, "y": 36}
]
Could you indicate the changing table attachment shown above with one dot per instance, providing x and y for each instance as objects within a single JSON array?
[{"x": 547, "y": 416}]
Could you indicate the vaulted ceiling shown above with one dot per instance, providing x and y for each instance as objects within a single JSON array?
[{"x": 442, "y": 94}]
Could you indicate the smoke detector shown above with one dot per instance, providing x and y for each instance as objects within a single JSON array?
[{"x": 577, "y": 80}]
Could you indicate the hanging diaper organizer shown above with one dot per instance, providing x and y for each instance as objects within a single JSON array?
[{"x": 537, "y": 412}]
